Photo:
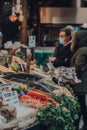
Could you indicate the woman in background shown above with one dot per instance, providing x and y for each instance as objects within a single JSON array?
[{"x": 79, "y": 60}]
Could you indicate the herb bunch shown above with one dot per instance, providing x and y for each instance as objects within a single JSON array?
[
  {"x": 70, "y": 103},
  {"x": 60, "y": 117}
]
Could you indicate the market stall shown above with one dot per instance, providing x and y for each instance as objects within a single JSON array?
[{"x": 38, "y": 99}]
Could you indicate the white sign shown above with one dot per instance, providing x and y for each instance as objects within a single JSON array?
[
  {"x": 32, "y": 41},
  {"x": 28, "y": 51},
  {"x": 10, "y": 97},
  {"x": 41, "y": 68},
  {"x": 8, "y": 44},
  {"x": 7, "y": 86},
  {"x": 50, "y": 65}
]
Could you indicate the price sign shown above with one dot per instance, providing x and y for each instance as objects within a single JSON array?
[
  {"x": 10, "y": 97},
  {"x": 32, "y": 41},
  {"x": 7, "y": 86}
]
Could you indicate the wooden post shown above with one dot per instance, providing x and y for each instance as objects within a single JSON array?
[
  {"x": 23, "y": 34},
  {"x": 28, "y": 63}
]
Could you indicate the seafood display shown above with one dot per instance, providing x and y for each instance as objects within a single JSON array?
[
  {"x": 23, "y": 95},
  {"x": 66, "y": 75}
]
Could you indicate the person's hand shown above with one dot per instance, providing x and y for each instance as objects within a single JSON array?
[{"x": 52, "y": 59}]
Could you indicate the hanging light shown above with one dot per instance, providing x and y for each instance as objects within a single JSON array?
[
  {"x": 13, "y": 16},
  {"x": 18, "y": 7},
  {"x": 21, "y": 17},
  {"x": 16, "y": 10}
]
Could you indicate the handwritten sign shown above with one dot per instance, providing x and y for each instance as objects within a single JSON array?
[
  {"x": 10, "y": 97},
  {"x": 6, "y": 86},
  {"x": 32, "y": 41}
]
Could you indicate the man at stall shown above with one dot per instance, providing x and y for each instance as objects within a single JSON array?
[{"x": 63, "y": 53}]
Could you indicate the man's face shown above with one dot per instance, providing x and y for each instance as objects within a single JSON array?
[{"x": 62, "y": 35}]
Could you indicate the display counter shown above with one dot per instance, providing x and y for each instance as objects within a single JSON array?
[{"x": 42, "y": 54}]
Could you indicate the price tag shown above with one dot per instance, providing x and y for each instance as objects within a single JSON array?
[
  {"x": 15, "y": 99},
  {"x": 10, "y": 97},
  {"x": 32, "y": 41},
  {"x": 28, "y": 51},
  {"x": 41, "y": 68},
  {"x": 7, "y": 86},
  {"x": 50, "y": 66}
]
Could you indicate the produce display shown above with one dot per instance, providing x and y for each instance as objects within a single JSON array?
[
  {"x": 3, "y": 60},
  {"x": 60, "y": 117},
  {"x": 13, "y": 114},
  {"x": 21, "y": 123},
  {"x": 3, "y": 57},
  {"x": 14, "y": 66},
  {"x": 39, "y": 96},
  {"x": 63, "y": 90},
  {"x": 36, "y": 99},
  {"x": 5, "y": 69},
  {"x": 49, "y": 82},
  {"x": 7, "y": 111},
  {"x": 20, "y": 54},
  {"x": 62, "y": 105}
]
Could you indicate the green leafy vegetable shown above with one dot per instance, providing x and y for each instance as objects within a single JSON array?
[
  {"x": 60, "y": 117},
  {"x": 50, "y": 82},
  {"x": 3, "y": 60},
  {"x": 70, "y": 103},
  {"x": 20, "y": 54},
  {"x": 56, "y": 118}
]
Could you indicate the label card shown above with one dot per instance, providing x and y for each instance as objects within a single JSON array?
[
  {"x": 50, "y": 66},
  {"x": 32, "y": 41},
  {"x": 10, "y": 97}
]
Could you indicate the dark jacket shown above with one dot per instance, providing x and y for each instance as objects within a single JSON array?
[
  {"x": 57, "y": 50},
  {"x": 63, "y": 56},
  {"x": 79, "y": 60}
]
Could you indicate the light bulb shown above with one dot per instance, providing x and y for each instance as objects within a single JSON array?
[{"x": 21, "y": 17}]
